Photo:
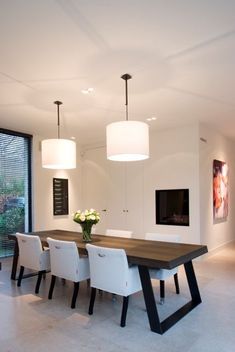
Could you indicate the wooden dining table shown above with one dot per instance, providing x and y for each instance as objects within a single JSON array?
[{"x": 145, "y": 254}]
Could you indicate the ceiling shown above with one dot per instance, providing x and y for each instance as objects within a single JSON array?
[{"x": 180, "y": 53}]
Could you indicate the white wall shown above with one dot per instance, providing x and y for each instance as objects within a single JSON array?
[
  {"x": 178, "y": 159},
  {"x": 173, "y": 163},
  {"x": 42, "y": 180},
  {"x": 220, "y": 148}
]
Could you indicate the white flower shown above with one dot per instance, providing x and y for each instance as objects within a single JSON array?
[
  {"x": 87, "y": 215},
  {"x": 82, "y": 217}
]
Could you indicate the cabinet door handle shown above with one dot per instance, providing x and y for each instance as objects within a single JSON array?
[{"x": 104, "y": 209}]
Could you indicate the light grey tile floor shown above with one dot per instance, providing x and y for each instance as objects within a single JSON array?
[{"x": 30, "y": 322}]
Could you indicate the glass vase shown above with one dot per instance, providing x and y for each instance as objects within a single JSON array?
[{"x": 86, "y": 231}]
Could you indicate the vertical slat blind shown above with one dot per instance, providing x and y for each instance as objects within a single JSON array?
[{"x": 15, "y": 187}]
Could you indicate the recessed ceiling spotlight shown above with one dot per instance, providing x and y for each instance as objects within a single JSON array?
[{"x": 87, "y": 91}]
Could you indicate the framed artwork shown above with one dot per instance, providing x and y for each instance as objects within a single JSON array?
[
  {"x": 60, "y": 196},
  {"x": 220, "y": 190}
]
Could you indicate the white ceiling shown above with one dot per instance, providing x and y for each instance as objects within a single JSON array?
[{"x": 181, "y": 55}]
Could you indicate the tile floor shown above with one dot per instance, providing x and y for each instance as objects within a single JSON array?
[{"x": 30, "y": 322}]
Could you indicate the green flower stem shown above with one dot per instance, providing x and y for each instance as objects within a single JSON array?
[{"x": 86, "y": 231}]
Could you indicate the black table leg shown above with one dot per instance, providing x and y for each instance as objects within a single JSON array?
[
  {"x": 150, "y": 303},
  {"x": 192, "y": 282},
  {"x": 154, "y": 322}
]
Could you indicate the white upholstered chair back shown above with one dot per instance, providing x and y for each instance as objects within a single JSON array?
[
  {"x": 164, "y": 274},
  {"x": 65, "y": 261},
  {"x": 162, "y": 237},
  {"x": 31, "y": 254},
  {"x": 109, "y": 271},
  {"x": 119, "y": 233}
]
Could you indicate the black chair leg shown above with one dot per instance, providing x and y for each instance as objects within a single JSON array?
[
  {"x": 124, "y": 311},
  {"x": 162, "y": 291},
  {"x": 20, "y": 276},
  {"x": 177, "y": 288},
  {"x": 92, "y": 301},
  {"x": 53, "y": 278},
  {"x": 75, "y": 294},
  {"x": 40, "y": 274}
]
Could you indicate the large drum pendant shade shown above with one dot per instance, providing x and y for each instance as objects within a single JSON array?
[
  {"x": 127, "y": 141},
  {"x": 58, "y": 154}
]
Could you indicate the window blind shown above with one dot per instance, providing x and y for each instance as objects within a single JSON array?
[{"x": 15, "y": 187}]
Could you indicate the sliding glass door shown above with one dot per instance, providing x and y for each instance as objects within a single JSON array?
[{"x": 15, "y": 186}]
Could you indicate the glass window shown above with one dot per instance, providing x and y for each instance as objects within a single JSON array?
[{"x": 15, "y": 187}]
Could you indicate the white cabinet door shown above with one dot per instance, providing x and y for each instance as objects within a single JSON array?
[
  {"x": 115, "y": 189},
  {"x": 125, "y": 197},
  {"x": 95, "y": 184},
  {"x": 116, "y": 209},
  {"x": 134, "y": 197}
]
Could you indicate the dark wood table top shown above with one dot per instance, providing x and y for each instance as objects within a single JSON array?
[{"x": 155, "y": 254}]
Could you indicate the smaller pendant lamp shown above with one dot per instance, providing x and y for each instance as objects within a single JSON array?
[
  {"x": 58, "y": 153},
  {"x": 127, "y": 140}
]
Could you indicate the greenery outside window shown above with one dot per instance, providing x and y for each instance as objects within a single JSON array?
[{"x": 15, "y": 187}]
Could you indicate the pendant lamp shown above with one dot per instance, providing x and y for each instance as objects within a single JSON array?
[
  {"x": 58, "y": 153},
  {"x": 127, "y": 140}
]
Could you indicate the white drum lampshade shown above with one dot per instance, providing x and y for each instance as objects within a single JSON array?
[
  {"x": 127, "y": 141},
  {"x": 58, "y": 154}
]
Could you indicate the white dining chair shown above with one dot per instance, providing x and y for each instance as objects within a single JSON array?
[
  {"x": 110, "y": 272},
  {"x": 164, "y": 274},
  {"x": 118, "y": 233},
  {"x": 68, "y": 265},
  {"x": 32, "y": 256}
]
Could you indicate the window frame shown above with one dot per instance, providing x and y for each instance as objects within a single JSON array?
[{"x": 29, "y": 139}]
